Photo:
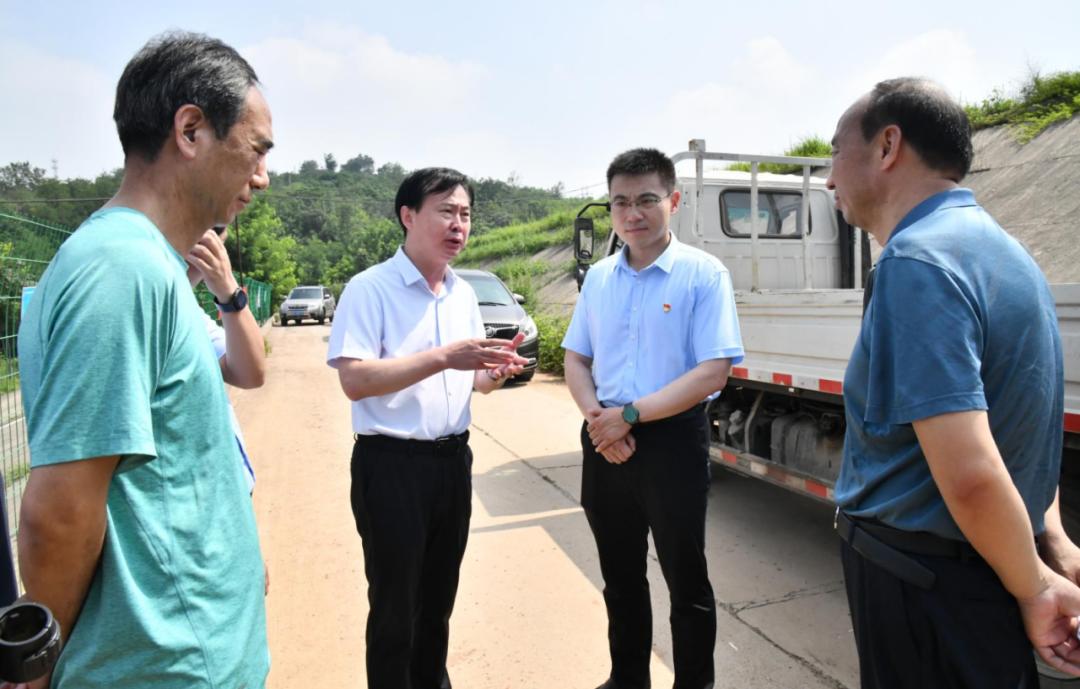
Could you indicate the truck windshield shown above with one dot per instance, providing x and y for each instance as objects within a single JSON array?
[{"x": 779, "y": 213}]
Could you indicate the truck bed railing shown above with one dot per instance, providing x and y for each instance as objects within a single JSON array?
[{"x": 699, "y": 155}]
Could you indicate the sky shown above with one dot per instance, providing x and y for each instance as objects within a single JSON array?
[{"x": 544, "y": 93}]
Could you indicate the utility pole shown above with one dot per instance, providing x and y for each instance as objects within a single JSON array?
[{"x": 239, "y": 249}]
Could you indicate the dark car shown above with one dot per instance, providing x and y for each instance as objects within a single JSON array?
[{"x": 503, "y": 316}]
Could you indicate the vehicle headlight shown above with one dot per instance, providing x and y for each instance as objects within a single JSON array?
[{"x": 528, "y": 327}]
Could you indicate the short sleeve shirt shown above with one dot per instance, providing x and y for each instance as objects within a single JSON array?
[
  {"x": 388, "y": 311},
  {"x": 114, "y": 360},
  {"x": 644, "y": 329},
  {"x": 960, "y": 319},
  {"x": 220, "y": 343}
]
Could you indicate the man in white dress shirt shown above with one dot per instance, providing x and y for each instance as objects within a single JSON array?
[{"x": 408, "y": 345}]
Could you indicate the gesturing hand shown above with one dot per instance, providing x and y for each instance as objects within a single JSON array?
[
  {"x": 509, "y": 369},
  {"x": 472, "y": 355}
]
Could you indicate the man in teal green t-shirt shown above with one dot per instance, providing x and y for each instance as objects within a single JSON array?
[{"x": 136, "y": 529}]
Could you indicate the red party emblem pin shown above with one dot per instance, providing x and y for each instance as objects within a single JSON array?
[{"x": 667, "y": 308}]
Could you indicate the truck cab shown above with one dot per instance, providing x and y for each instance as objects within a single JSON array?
[{"x": 799, "y": 241}]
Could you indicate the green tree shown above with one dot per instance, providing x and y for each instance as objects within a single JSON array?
[
  {"x": 392, "y": 172},
  {"x": 330, "y": 162},
  {"x": 20, "y": 176},
  {"x": 361, "y": 164},
  {"x": 269, "y": 253},
  {"x": 365, "y": 242},
  {"x": 313, "y": 261}
]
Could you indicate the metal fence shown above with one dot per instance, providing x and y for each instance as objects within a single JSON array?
[
  {"x": 26, "y": 247},
  {"x": 258, "y": 299}
]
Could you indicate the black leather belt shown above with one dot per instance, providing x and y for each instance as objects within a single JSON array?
[
  {"x": 447, "y": 446},
  {"x": 865, "y": 538}
]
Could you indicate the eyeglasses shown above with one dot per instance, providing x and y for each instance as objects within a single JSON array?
[{"x": 645, "y": 202}]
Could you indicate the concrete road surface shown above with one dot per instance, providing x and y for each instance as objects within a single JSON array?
[{"x": 530, "y": 612}]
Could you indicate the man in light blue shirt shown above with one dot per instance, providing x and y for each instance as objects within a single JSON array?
[
  {"x": 654, "y": 334},
  {"x": 137, "y": 530}
]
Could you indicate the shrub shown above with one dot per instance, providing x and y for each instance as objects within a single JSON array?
[
  {"x": 810, "y": 147},
  {"x": 1040, "y": 102},
  {"x": 552, "y": 330},
  {"x": 518, "y": 274}
]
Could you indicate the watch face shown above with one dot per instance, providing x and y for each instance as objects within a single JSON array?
[
  {"x": 237, "y": 302},
  {"x": 630, "y": 414}
]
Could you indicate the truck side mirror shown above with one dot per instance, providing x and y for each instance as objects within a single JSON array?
[{"x": 584, "y": 242}]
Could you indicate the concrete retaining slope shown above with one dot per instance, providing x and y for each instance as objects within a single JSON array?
[{"x": 1033, "y": 190}]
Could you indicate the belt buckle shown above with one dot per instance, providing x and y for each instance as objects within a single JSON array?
[{"x": 446, "y": 446}]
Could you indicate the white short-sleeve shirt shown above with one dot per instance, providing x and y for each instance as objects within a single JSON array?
[
  {"x": 217, "y": 338},
  {"x": 388, "y": 311}
]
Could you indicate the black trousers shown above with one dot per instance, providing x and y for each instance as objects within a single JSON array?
[
  {"x": 412, "y": 507},
  {"x": 663, "y": 487},
  {"x": 966, "y": 631}
]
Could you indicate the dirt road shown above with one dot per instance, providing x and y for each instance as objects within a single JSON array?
[{"x": 530, "y": 611}]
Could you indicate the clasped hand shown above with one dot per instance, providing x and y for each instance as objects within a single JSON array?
[{"x": 610, "y": 435}]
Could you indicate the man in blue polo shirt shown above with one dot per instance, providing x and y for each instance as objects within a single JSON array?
[
  {"x": 654, "y": 334},
  {"x": 137, "y": 530},
  {"x": 954, "y": 403}
]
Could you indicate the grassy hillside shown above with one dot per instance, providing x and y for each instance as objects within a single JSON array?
[
  {"x": 1038, "y": 103},
  {"x": 509, "y": 251}
]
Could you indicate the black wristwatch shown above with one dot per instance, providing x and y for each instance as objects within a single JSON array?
[
  {"x": 630, "y": 414},
  {"x": 237, "y": 302}
]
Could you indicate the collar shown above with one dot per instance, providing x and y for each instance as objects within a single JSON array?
[
  {"x": 953, "y": 198},
  {"x": 410, "y": 274},
  {"x": 665, "y": 261},
  {"x": 139, "y": 218}
]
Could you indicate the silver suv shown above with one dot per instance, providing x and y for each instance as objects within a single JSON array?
[{"x": 308, "y": 301}]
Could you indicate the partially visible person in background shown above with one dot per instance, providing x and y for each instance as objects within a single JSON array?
[{"x": 238, "y": 342}]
